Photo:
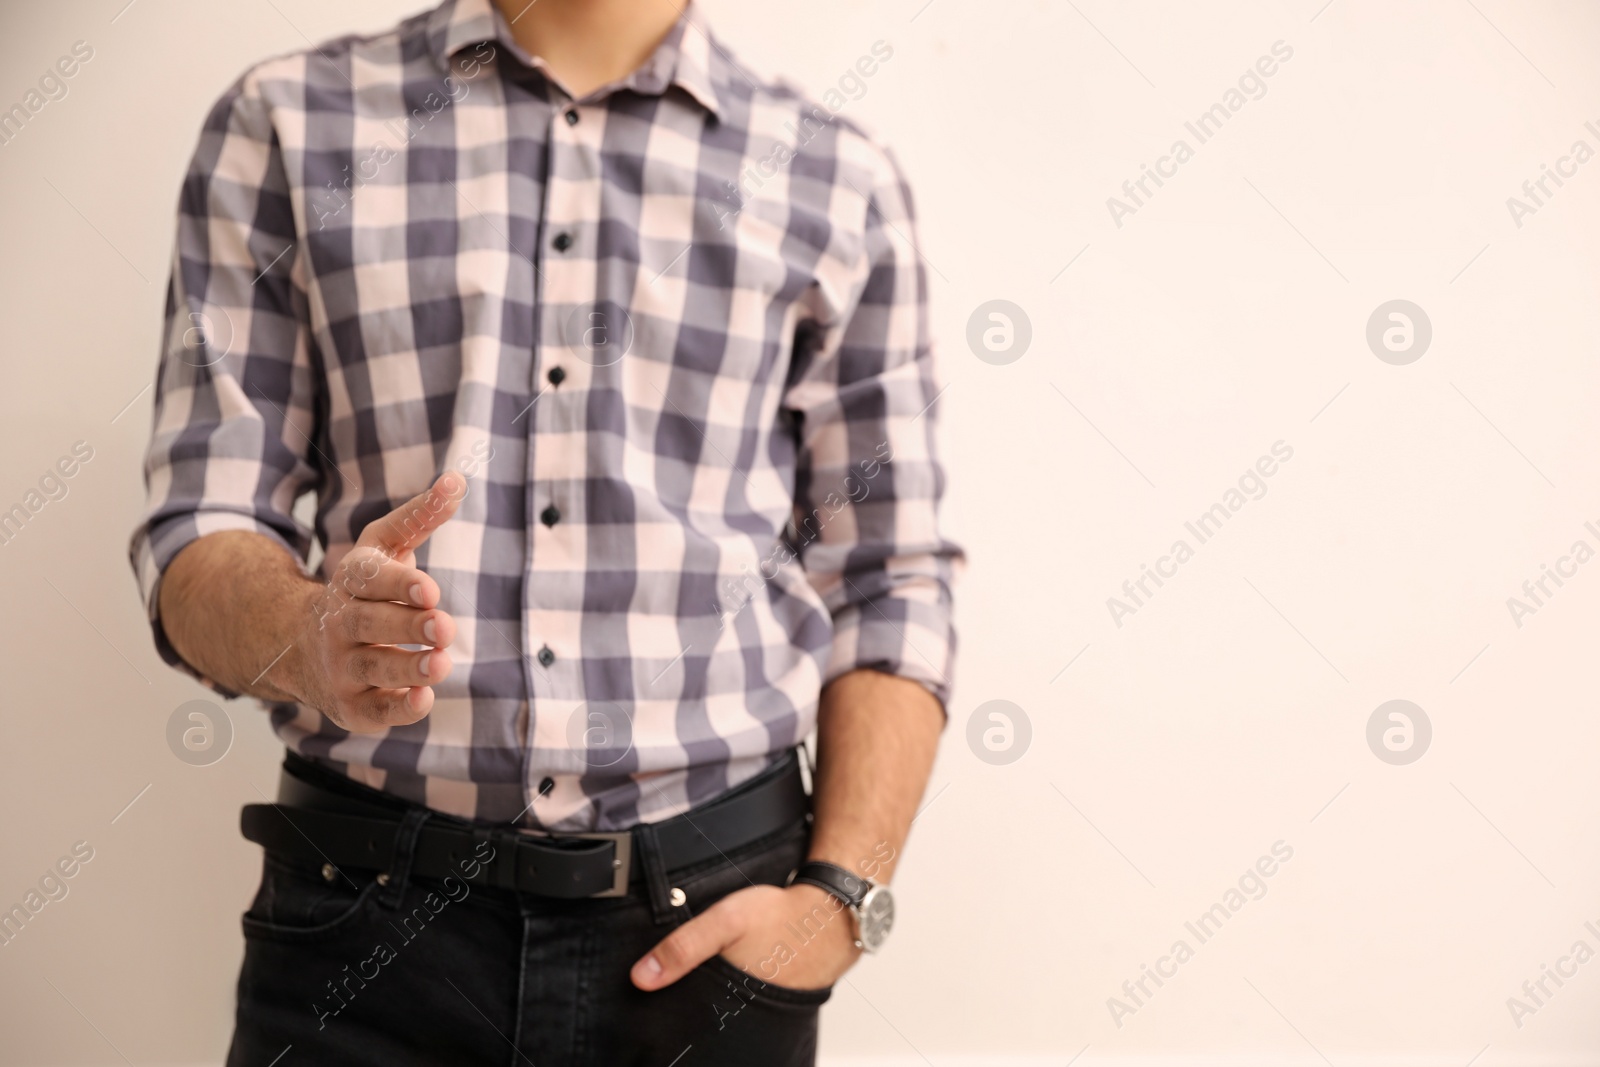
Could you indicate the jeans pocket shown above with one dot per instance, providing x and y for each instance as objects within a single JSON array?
[
  {"x": 296, "y": 904},
  {"x": 739, "y": 985},
  {"x": 768, "y": 862}
]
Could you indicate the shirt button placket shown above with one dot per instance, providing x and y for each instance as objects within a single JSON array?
[{"x": 566, "y": 281}]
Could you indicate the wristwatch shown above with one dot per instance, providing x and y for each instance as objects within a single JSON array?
[{"x": 872, "y": 906}]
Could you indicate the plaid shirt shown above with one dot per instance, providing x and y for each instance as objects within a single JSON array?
[{"x": 675, "y": 336}]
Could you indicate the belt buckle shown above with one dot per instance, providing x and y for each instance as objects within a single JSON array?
[{"x": 621, "y": 863}]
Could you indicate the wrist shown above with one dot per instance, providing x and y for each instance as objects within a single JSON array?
[
  {"x": 871, "y": 860},
  {"x": 295, "y": 616},
  {"x": 821, "y": 913},
  {"x": 871, "y": 906}
]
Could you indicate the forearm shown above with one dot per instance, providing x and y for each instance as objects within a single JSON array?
[
  {"x": 876, "y": 739},
  {"x": 231, "y": 602}
]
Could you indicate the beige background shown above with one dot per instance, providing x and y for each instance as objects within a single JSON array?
[{"x": 1227, "y": 714}]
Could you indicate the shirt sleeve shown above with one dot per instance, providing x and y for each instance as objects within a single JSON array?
[
  {"x": 235, "y": 397},
  {"x": 869, "y": 480}
]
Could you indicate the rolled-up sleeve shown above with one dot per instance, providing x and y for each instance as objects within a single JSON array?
[
  {"x": 869, "y": 479},
  {"x": 235, "y": 397}
]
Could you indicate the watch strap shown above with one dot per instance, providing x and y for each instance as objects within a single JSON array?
[{"x": 834, "y": 879}]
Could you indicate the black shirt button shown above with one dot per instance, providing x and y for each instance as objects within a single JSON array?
[
  {"x": 556, "y": 375},
  {"x": 562, "y": 242},
  {"x": 572, "y": 116},
  {"x": 550, "y": 515},
  {"x": 546, "y": 785},
  {"x": 546, "y": 657}
]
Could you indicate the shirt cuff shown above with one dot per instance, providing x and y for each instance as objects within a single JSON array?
[{"x": 906, "y": 632}]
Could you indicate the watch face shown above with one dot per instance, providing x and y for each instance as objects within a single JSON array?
[{"x": 875, "y": 918}]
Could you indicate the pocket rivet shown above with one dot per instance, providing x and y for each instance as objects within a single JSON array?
[
  {"x": 679, "y": 897},
  {"x": 328, "y": 872},
  {"x": 383, "y": 879}
]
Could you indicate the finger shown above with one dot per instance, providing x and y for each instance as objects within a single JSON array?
[
  {"x": 385, "y": 667},
  {"x": 410, "y": 524},
  {"x": 688, "y": 947},
  {"x": 379, "y": 709},
  {"x": 368, "y": 574},
  {"x": 383, "y": 623}
]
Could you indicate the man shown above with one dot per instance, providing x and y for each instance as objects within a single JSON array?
[{"x": 607, "y": 367}]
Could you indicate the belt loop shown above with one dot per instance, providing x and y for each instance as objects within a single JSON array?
[
  {"x": 395, "y": 880},
  {"x": 647, "y": 853},
  {"x": 808, "y": 775}
]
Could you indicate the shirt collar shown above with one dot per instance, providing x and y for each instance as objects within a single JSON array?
[{"x": 685, "y": 57}]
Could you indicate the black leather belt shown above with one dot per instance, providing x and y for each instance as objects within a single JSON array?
[{"x": 316, "y": 825}]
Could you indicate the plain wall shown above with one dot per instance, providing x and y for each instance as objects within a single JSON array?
[{"x": 1168, "y": 753}]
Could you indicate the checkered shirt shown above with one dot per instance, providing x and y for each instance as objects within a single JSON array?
[{"x": 674, "y": 334}]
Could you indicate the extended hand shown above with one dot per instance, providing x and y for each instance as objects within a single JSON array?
[
  {"x": 800, "y": 937},
  {"x": 346, "y": 664}
]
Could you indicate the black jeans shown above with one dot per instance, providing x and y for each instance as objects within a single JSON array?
[{"x": 351, "y": 972}]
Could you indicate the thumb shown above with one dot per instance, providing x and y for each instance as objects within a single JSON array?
[
  {"x": 686, "y": 948},
  {"x": 413, "y": 522}
]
